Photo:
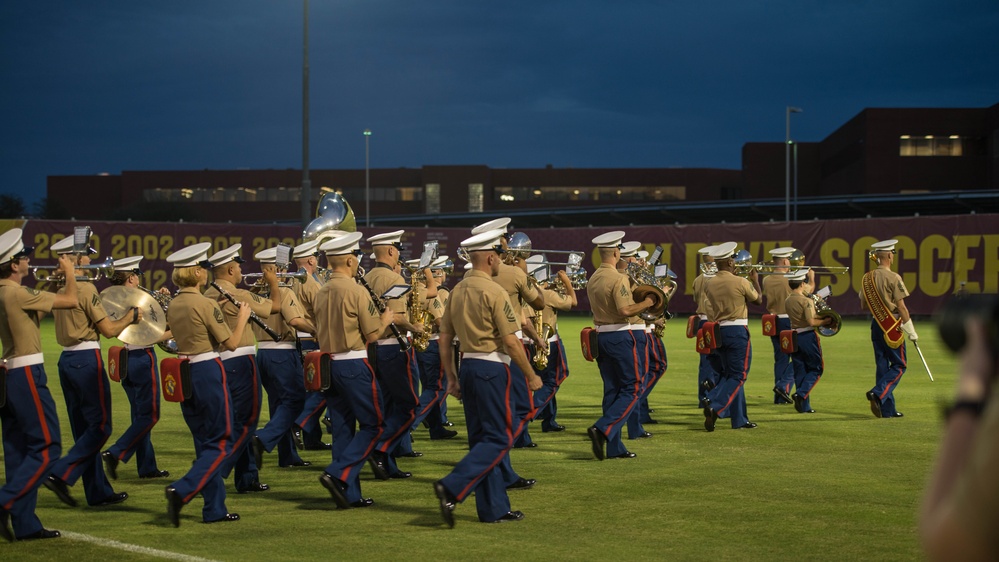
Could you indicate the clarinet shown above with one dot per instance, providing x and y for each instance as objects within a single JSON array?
[
  {"x": 404, "y": 344},
  {"x": 253, "y": 317}
]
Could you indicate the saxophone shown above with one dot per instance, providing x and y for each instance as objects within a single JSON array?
[
  {"x": 418, "y": 314},
  {"x": 545, "y": 331}
]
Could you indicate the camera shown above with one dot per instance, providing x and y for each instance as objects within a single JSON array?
[{"x": 951, "y": 317}]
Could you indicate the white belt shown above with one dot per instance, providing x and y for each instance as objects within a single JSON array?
[
  {"x": 553, "y": 339},
  {"x": 435, "y": 337},
  {"x": 238, "y": 352},
  {"x": 614, "y": 328},
  {"x": 519, "y": 334},
  {"x": 25, "y": 360},
  {"x": 356, "y": 354},
  {"x": 199, "y": 357},
  {"x": 388, "y": 341},
  {"x": 743, "y": 322},
  {"x": 803, "y": 330},
  {"x": 782, "y": 316},
  {"x": 495, "y": 357},
  {"x": 275, "y": 345},
  {"x": 131, "y": 347},
  {"x": 702, "y": 316},
  {"x": 83, "y": 346},
  {"x": 305, "y": 336},
  {"x": 648, "y": 329}
]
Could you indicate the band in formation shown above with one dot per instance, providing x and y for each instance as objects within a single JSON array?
[{"x": 372, "y": 356}]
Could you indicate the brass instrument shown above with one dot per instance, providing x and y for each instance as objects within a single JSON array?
[
  {"x": 743, "y": 265},
  {"x": 301, "y": 276},
  {"x": 518, "y": 247},
  {"x": 104, "y": 268},
  {"x": 823, "y": 310},
  {"x": 573, "y": 268},
  {"x": 545, "y": 331},
  {"x": 647, "y": 285},
  {"x": 333, "y": 216},
  {"x": 418, "y": 314},
  {"x": 710, "y": 268}
]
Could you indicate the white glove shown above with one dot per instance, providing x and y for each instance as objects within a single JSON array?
[{"x": 909, "y": 330}]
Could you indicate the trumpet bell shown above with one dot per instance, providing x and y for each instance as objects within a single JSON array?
[
  {"x": 659, "y": 301},
  {"x": 332, "y": 214},
  {"x": 832, "y": 328},
  {"x": 119, "y": 300},
  {"x": 743, "y": 263}
]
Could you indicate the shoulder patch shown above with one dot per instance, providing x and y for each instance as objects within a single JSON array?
[
  {"x": 371, "y": 309},
  {"x": 437, "y": 304},
  {"x": 31, "y": 291},
  {"x": 256, "y": 298},
  {"x": 624, "y": 290},
  {"x": 508, "y": 311},
  {"x": 218, "y": 315},
  {"x": 96, "y": 300}
]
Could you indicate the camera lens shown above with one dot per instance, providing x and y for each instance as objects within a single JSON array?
[{"x": 951, "y": 318}]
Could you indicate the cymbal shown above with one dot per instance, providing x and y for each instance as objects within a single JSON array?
[{"x": 119, "y": 300}]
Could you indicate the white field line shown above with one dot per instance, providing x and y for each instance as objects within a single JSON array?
[{"x": 132, "y": 547}]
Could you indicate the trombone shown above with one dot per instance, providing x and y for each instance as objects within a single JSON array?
[{"x": 104, "y": 268}]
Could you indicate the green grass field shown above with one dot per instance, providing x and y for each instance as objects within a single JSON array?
[{"x": 834, "y": 485}]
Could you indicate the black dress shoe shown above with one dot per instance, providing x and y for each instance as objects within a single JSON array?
[
  {"x": 530, "y": 445},
  {"x": 254, "y": 486},
  {"x": 875, "y": 404},
  {"x": 174, "y": 504},
  {"x": 363, "y": 502},
  {"x": 710, "y": 418},
  {"x": 61, "y": 490},
  {"x": 296, "y": 436},
  {"x": 410, "y": 455},
  {"x": 400, "y": 475},
  {"x": 651, "y": 421},
  {"x": 897, "y": 415},
  {"x": 296, "y": 464},
  {"x": 336, "y": 489},
  {"x": 522, "y": 484},
  {"x": 228, "y": 517},
  {"x": 708, "y": 385},
  {"x": 329, "y": 425},
  {"x": 257, "y": 448},
  {"x": 553, "y": 427},
  {"x": 808, "y": 412},
  {"x": 42, "y": 534},
  {"x": 644, "y": 435},
  {"x": 112, "y": 499},
  {"x": 377, "y": 462},
  {"x": 508, "y": 516},
  {"x": 443, "y": 434},
  {"x": 799, "y": 405},
  {"x": 318, "y": 447},
  {"x": 782, "y": 394},
  {"x": 447, "y": 503},
  {"x": 598, "y": 440},
  {"x": 748, "y": 425},
  {"x": 447, "y": 424},
  {"x": 625, "y": 455},
  {"x": 5, "y": 531},
  {"x": 110, "y": 464},
  {"x": 155, "y": 474}
]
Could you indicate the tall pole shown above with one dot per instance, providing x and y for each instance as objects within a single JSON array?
[
  {"x": 795, "y": 181},
  {"x": 367, "y": 179},
  {"x": 787, "y": 160},
  {"x": 306, "y": 195}
]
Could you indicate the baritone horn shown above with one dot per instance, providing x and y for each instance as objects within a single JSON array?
[
  {"x": 823, "y": 310},
  {"x": 104, "y": 268}
]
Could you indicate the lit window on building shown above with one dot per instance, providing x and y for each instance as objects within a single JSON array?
[
  {"x": 433, "y": 198},
  {"x": 605, "y": 193},
  {"x": 475, "y": 197},
  {"x": 930, "y": 145}
]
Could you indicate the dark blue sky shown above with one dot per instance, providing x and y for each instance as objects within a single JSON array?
[{"x": 102, "y": 86}]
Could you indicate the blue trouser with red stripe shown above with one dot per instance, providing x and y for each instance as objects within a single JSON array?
[
  {"x": 397, "y": 373},
  {"x": 281, "y": 375},
  {"x": 784, "y": 372},
  {"x": 31, "y": 444},
  {"x": 523, "y": 412},
  {"x": 244, "y": 388},
  {"x": 486, "y": 393},
  {"x": 557, "y": 362},
  {"x": 314, "y": 408},
  {"x": 142, "y": 386},
  {"x": 86, "y": 388},
  {"x": 622, "y": 361},
  {"x": 706, "y": 370},
  {"x": 208, "y": 413},
  {"x": 890, "y": 364},
  {"x": 433, "y": 389},
  {"x": 808, "y": 366},
  {"x": 734, "y": 357},
  {"x": 354, "y": 399}
]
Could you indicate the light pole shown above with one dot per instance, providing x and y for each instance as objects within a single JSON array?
[
  {"x": 787, "y": 161},
  {"x": 367, "y": 179},
  {"x": 306, "y": 195}
]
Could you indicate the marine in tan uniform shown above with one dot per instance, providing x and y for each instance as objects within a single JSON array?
[
  {"x": 306, "y": 256},
  {"x": 775, "y": 292},
  {"x": 808, "y": 363},
  {"x": 707, "y": 377}
]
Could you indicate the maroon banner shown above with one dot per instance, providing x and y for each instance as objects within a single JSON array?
[{"x": 936, "y": 255}]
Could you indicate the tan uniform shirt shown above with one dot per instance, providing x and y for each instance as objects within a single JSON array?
[
  {"x": 703, "y": 306},
  {"x": 259, "y": 305},
  {"x": 518, "y": 289},
  {"x": 775, "y": 291},
  {"x": 197, "y": 323},
  {"x": 554, "y": 302},
  {"x": 279, "y": 321},
  {"x": 889, "y": 285},
  {"x": 380, "y": 279},
  {"x": 344, "y": 315},
  {"x": 306, "y": 293},
  {"x": 437, "y": 305},
  {"x": 479, "y": 313},
  {"x": 19, "y": 317},
  {"x": 728, "y": 296},
  {"x": 76, "y": 325},
  {"x": 608, "y": 290},
  {"x": 800, "y": 310}
]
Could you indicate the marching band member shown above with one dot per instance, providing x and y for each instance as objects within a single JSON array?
[
  {"x": 199, "y": 327},
  {"x": 808, "y": 363},
  {"x": 432, "y": 380},
  {"x": 141, "y": 383},
  {"x": 241, "y": 376},
  {"x": 31, "y": 441},
  {"x": 621, "y": 358},
  {"x": 629, "y": 255},
  {"x": 306, "y": 259},
  {"x": 280, "y": 367},
  {"x": 86, "y": 388},
  {"x": 396, "y": 369},
  {"x": 482, "y": 316},
  {"x": 707, "y": 377},
  {"x": 775, "y": 292},
  {"x": 557, "y": 370},
  {"x": 347, "y": 320},
  {"x": 729, "y": 296},
  {"x": 884, "y": 295},
  {"x": 657, "y": 358}
]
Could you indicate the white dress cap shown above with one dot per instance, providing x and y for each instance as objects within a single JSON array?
[
  {"x": 884, "y": 245},
  {"x": 11, "y": 245},
  {"x": 305, "y": 249},
  {"x": 191, "y": 255},
  {"x": 535, "y": 262},
  {"x": 706, "y": 251},
  {"x": 797, "y": 274},
  {"x": 784, "y": 252},
  {"x": 130, "y": 263},
  {"x": 266, "y": 256},
  {"x": 488, "y": 240},
  {"x": 609, "y": 240},
  {"x": 413, "y": 264},
  {"x": 387, "y": 239},
  {"x": 494, "y": 224},
  {"x": 641, "y": 254},
  {"x": 64, "y": 246},
  {"x": 439, "y": 262},
  {"x": 225, "y": 256},
  {"x": 630, "y": 248},
  {"x": 346, "y": 244},
  {"x": 722, "y": 251}
]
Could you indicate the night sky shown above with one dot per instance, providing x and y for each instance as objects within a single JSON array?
[{"x": 100, "y": 86}]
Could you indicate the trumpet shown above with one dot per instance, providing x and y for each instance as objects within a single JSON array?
[
  {"x": 301, "y": 276},
  {"x": 770, "y": 268},
  {"x": 104, "y": 268},
  {"x": 573, "y": 267}
]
